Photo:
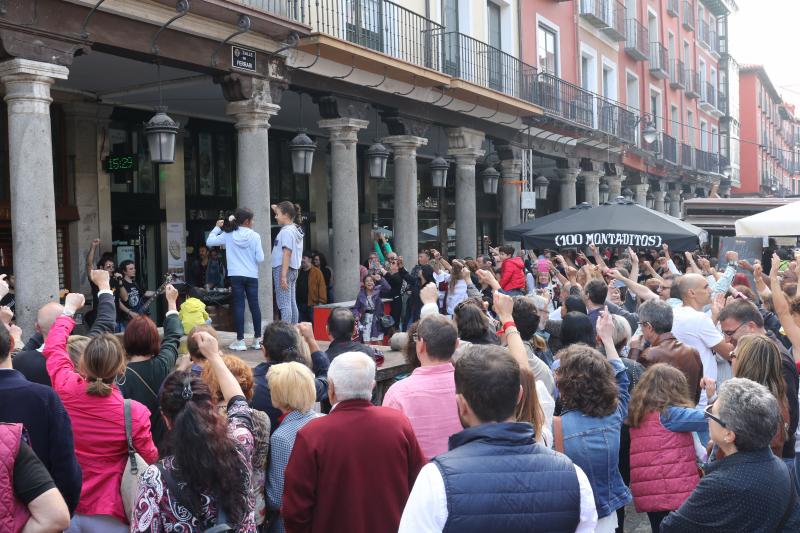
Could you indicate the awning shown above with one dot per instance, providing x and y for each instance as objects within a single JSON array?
[{"x": 781, "y": 221}]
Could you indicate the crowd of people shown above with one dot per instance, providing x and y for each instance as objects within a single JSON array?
[{"x": 547, "y": 391}]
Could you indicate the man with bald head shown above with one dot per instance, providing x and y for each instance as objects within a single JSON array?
[
  {"x": 696, "y": 328},
  {"x": 31, "y": 363}
]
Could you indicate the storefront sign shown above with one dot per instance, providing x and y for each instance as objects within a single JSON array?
[
  {"x": 608, "y": 239},
  {"x": 243, "y": 58}
]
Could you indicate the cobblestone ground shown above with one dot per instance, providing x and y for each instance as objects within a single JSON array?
[{"x": 634, "y": 522}]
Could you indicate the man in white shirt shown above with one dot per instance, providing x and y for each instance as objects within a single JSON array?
[
  {"x": 495, "y": 476},
  {"x": 696, "y": 328}
]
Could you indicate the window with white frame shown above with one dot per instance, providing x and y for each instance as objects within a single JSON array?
[
  {"x": 547, "y": 46},
  {"x": 704, "y": 135}
]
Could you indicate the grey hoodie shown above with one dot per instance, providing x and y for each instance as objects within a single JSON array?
[
  {"x": 290, "y": 237},
  {"x": 242, "y": 249}
]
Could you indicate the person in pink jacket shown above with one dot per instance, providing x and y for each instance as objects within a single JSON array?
[
  {"x": 663, "y": 462},
  {"x": 95, "y": 406}
]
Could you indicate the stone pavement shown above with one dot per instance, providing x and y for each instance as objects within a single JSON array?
[{"x": 634, "y": 522}]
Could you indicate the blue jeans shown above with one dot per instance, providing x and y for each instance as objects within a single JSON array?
[
  {"x": 286, "y": 298},
  {"x": 242, "y": 286}
]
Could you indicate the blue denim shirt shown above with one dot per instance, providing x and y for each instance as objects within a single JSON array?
[{"x": 593, "y": 444}]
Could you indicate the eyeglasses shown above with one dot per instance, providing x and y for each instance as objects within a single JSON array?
[
  {"x": 643, "y": 324},
  {"x": 732, "y": 333},
  {"x": 707, "y": 414}
]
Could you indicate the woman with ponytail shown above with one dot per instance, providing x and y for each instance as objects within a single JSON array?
[
  {"x": 243, "y": 252},
  {"x": 95, "y": 406},
  {"x": 204, "y": 480},
  {"x": 287, "y": 252}
]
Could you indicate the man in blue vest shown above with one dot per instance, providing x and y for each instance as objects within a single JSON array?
[{"x": 495, "y": 476}]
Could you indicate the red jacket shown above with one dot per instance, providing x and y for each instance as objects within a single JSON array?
[
  {"x": 13, "y": 513},
  {"x": 351, "y": 471},
  {"x": 663, "y": 467},
  {"x": 512, "y": 274}
]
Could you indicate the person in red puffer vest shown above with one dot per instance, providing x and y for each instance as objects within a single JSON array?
[
  {"x": 663, "y": 462},
  {"x": 512, "y": 271}
]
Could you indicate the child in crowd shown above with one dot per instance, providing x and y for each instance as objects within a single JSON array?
[{"x": 193, "y": 310}]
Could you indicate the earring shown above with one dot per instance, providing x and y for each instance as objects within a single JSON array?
[{"x": 124, "y": 379}]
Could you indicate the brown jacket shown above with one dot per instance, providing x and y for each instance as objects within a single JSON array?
[
  {"x": 317, "y": 290},
  {"x": 670, "y": 350}
]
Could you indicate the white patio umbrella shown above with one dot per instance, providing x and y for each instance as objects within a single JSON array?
[{"x": 781, "y": 221}]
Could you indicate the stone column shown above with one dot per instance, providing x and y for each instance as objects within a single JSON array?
[
  {"x": 614, "y": 186},
  {"x": 724, "y": 189},
  {"x": 658, "y": 200},
  {"x": 675, "y": 203},
  {"x": 406, "y": 226},
  {"x": 343, "y": 137},
  {"x": 568, "y": 178},
  {"x": 511, "y": 172},
  {"x": 591, "y": 187},
  {"x": 252, "y": 167},
  {"x": 33, "y": 214},
  {"x": 465, "y": 147},
  {"x": 640, "y": 193},
  {"x": 688, "y": 192}
]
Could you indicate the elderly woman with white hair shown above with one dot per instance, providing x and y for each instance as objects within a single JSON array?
[{"x": 749, "y": 489}]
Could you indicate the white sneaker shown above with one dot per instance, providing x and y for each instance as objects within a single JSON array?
[
  {"x": 238, "y": 346},
  {"x": 256, "y": 344}
]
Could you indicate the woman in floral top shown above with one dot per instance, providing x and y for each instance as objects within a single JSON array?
[{"x": 208, "y": 468}]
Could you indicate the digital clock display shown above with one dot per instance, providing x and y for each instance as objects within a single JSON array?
[{"x": 120, "y": 163}]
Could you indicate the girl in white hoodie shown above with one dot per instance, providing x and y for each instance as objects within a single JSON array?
[
  {"x": 287, "y": 252},
  {"x": 243, "y": 252}
]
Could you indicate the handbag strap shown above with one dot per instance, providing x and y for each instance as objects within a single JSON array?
[
  {"x": 558, "y": 434},
  {"x": 129, "y": 437},
  {"x": 135, "y": 373}
]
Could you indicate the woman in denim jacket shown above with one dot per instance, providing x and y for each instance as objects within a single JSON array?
[{"x": 594, "y": 395}]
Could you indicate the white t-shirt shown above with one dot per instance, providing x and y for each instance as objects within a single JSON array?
[{"x": 695, "y": 329}]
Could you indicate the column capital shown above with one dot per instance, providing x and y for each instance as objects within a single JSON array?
[
  {"x": 254, "y": 113},
  {"x": 31, "y": 70},
  {"x": 568, "y": 175},
  {"x": 463, "y": 138},
  {"x": 592, "y": 175},
  {"x": 343, "y": 129},
  {"x": 405, "y": 145},
  {"x": 465, "y": 156},
  {"x": 660, "y": 195},
  {"x": 510, "y": 169},
  {"x": 88, "y": 110}
]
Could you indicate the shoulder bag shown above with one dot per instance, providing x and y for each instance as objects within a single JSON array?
[{"x": 134, "y": 467}]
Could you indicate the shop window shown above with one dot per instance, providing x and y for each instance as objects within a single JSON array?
[
  {"x": 127, "y": 142},
  {"x": 208, "y": 163}
]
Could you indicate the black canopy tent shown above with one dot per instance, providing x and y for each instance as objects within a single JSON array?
[
  {"x": 516, "y": 233},
  {"x": 622, "y": 223}
]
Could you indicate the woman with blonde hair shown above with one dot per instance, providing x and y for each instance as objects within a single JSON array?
[
  {"x": 293, "y": 392},
  {"x": 536, "y": 407},
  {"x": 757, "y": 358},
  {"x": 261, "y": 426},
  {"x": 663, "y": 466},
  {"x": 96, "y": 408}
]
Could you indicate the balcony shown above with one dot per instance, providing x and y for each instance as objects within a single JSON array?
[
  {"x": 706, "y": 161},
  {"x": 713, "y": 43},
  {"x": 379, "y": 25},
  {"x": 565, "y": 100},
  {"x": 659, "y": 61},
  {"x": 686, "y": 156},
  {"x": 636, "y": 44},
  {"x": 693, "y": 84},
  {"x": 673, "y": 7},
  {"x": 688, "y": 15},
  {"x": 481, "y": 64},
  {"x": 722, "y": 103},
  {"x": 677, "y": 74},
  {"x": 670, "y": 148},
  {"x": 615, "y": 120},
  {"x": 607, "y": 15},
  {"x": 708, "y": 98},
  {"x": 703, "y": 34}
]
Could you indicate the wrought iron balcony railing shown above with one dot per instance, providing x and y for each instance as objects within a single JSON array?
[
  {"x": 380, "y": 25},
  {"x": 693, "y": 84},
  {"x": 708, "y": 99},
  {"x": 670, "y": 151},
  {"x": 636, "y": 43},
  {"x": 687, "y": 154},
  {"x": 566, "y": 100},
  {"x": 616, "y": 120},
  {"x": 706, "y": 161},
  {"x": 479, "y": 63},
  {"x": 290, "y": 9},
  {"x": 677, "y": 74},
  {"x": 688, "y": 15},
  {"x": 659, "y": 60},
  {"x": 703, "y": 33}
]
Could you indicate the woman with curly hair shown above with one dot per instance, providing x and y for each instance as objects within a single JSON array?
[
  {"x": 594, "y": 396},
  {"x": 662, "y": 416},
  {"x": 204, "y": 480}
]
